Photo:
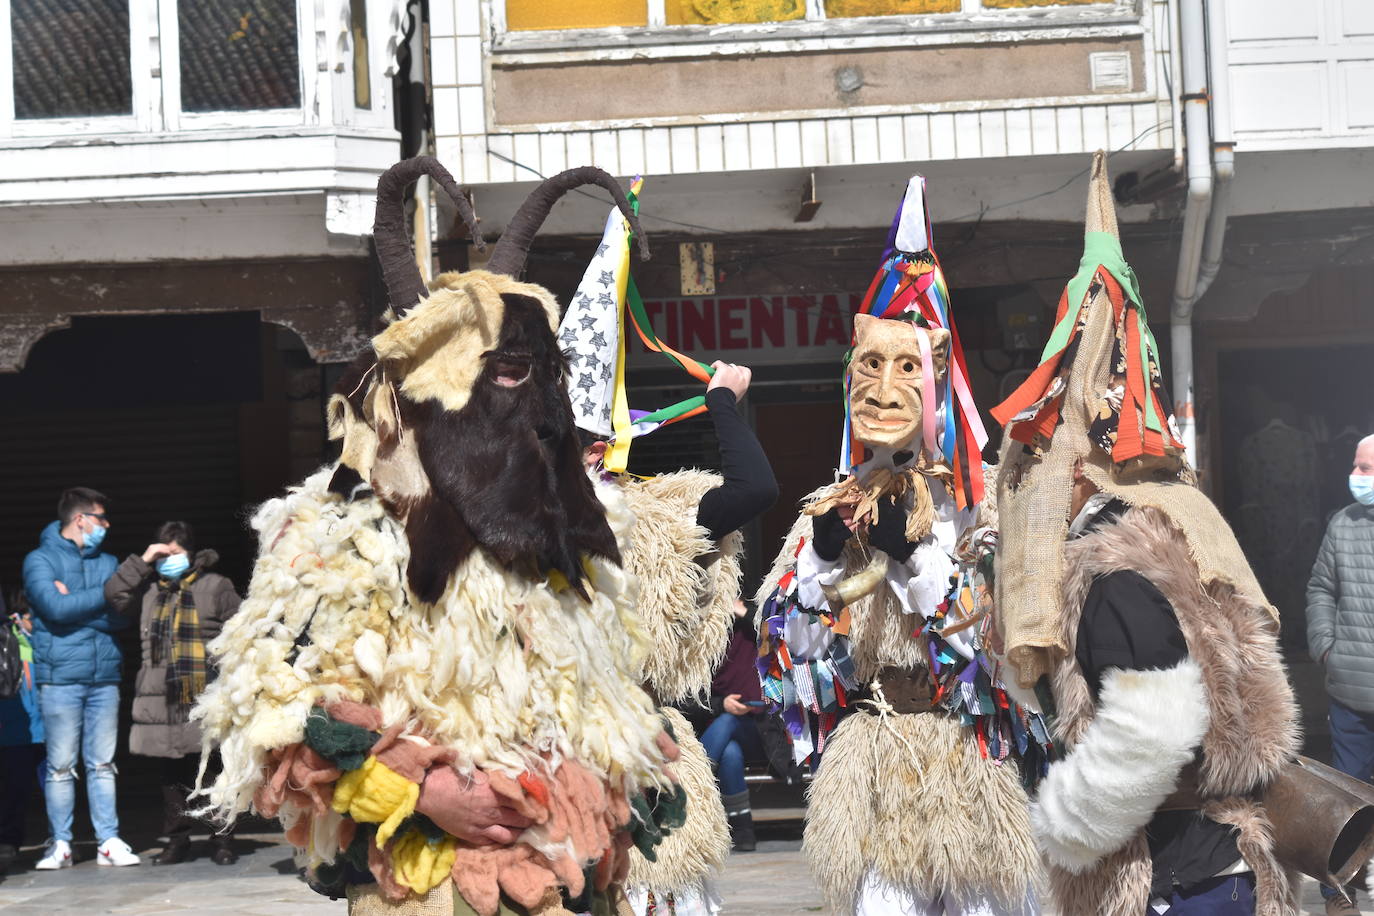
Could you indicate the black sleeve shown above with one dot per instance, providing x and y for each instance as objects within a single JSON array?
[
  {"x": 750, "y": 488},
  {"x": 1127, "y": 623}
]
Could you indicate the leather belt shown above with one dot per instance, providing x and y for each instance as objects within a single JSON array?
[{"x": 908, "y": 690}]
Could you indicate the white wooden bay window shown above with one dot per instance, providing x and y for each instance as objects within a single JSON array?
[{"x": 78, "y": 67}]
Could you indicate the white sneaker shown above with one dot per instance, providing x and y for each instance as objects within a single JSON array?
[
  {"x": 115, "y": 851},
  {"x": 59, "y": 855}
]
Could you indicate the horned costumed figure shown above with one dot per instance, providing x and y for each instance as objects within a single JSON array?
[
  {"x": 434, "y": 680},
  {"x": 684, "y": 550},
  {"x": 1125, "y": 593},
  {"x": 875, "y": 613}
]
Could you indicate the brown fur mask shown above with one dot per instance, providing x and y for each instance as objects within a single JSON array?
[
  {"x": 458, "y": 419},
  {"x": 471, "y": 436}
]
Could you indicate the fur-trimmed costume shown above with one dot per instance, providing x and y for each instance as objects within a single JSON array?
[
  {"x": 971, "y": 840},
  {"x": 688, "y": 587},
  {"x": 450, "y": 594},
  {"x": 1124, "y": 592},
  {"x": 882, "y": 586},
  {"x": 684, "y": 550},
  {"x": 1246, "y": 726}
]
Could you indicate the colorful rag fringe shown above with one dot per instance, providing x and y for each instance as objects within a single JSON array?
[
  {"x": 912, "y": 284},
  {"x": 1135, "y": 417},
  {"x": 349, "y": 765},
  {"x": 814, "y": 695}
]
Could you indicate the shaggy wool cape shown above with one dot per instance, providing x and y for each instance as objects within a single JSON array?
[
  {"x": 908, "y": 796},
  {"x": 510, "y": 674},
  {"x": 688, "y": 585},
  {"x": 1253, "y": 726}
]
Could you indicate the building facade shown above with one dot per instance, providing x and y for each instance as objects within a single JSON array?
[
  {"x": 775, "y": 137},
  {"x": 186, "y": 204}
]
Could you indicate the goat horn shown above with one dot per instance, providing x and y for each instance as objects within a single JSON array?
[
  {"x": 860, "y": 585},
  {"x": 404, "y": 284},
  {"x": 508, "y": 257}
]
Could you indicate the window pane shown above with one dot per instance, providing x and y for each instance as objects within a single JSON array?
[
  {"x": 574, "y": 14},
  {"x": 362, "y": 73},
  {"x": 238, "y": 55},
  {"x": 71, "y": 58},
  {"x": 841, "y": 9},
  {"x": 716, "y": 12}
]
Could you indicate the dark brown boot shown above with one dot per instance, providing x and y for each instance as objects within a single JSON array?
[
  {"x": 176, "y": 850},
  {"x": 223, "y": 853}
]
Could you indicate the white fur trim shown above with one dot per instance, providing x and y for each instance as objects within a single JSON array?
[{"x": 1147, "y": 728}]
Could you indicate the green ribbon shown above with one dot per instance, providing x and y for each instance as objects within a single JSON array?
[{"x": 1103, "y": 249}]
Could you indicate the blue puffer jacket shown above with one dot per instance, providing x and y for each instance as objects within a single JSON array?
[{"x": 73, "y": 634}]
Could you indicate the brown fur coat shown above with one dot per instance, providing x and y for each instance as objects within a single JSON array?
[{"x": 1253, "y": 717}]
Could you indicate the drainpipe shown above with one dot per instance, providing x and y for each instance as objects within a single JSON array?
[
  {"x": 1223, "y": 148},
  {"x": 1192, "y": 25}
]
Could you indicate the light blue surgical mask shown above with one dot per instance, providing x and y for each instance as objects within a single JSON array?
[
  {"x": 1362, "y": 488},
  {"x": 174, "y": 566},
  {"x": 95, "y": 537}
]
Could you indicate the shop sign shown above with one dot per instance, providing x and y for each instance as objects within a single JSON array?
[{"x": 755, "y": 330}]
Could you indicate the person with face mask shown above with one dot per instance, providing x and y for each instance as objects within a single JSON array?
[
  {"x": 77, "y": 668},
  {"x": 181, "y": 605},
  {"x": 1340, "y": 601}
]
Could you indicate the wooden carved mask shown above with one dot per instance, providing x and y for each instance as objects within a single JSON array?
[{"x": 885, "y": 373}]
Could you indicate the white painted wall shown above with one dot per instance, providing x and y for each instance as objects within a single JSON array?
[{"x": 1301, "y": 74}]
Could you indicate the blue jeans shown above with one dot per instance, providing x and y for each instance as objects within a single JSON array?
[
  {"x": 1352, "y": 752},
  {"x": 724, "y": 740},
  {"x": 84, "y": 719},
  {"x": 1232, "y": 895}
]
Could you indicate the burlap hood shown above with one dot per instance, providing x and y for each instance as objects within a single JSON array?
[{"x": 1071, "y": 410}]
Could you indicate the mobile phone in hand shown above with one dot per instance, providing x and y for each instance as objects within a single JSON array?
[{"x": 756, "y": 704}]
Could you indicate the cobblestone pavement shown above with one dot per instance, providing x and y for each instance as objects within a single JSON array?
[{"x": 773, "y": 881}]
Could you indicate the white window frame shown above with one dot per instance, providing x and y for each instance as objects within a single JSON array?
[
  {"x": 143, "y": 64},
  {"x": 971, "y": 24},
  {"x": 155, "y": 71}
]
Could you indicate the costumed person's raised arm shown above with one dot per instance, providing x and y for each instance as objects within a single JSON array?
[{"x": 750, "y": 488}]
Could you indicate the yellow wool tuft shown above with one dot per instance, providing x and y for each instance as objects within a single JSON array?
[
  {"x": 375, "y": 793},
  {"x": 420, "y": 863}
]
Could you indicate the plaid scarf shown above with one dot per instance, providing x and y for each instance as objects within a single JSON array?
[{"x": 177, "y": 643}]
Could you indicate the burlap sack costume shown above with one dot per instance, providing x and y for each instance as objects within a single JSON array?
[{"x": 1097, "y": 402}]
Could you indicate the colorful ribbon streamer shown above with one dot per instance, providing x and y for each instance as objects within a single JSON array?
[
  {"x": 626, "y": 423},
  {"x": 913, "y": 283}
]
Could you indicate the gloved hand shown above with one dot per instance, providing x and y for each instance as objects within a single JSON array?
[
  {"x": 829, "y": 534},
  {"x": 889, "y": 533}
]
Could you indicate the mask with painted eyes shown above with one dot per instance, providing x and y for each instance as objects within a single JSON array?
[{"x": 886, "y": 376}]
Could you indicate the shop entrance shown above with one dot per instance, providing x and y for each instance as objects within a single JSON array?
[{"x": 1289, "y": 418}]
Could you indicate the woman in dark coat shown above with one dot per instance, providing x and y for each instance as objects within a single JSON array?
[{"x": 182, "y": 607}]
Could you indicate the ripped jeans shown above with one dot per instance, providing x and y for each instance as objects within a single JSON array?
[{"x": 80, "y": 718}]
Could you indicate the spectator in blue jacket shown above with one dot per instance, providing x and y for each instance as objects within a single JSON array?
[
  {"x": 77, "y": 666},
  {"x": 21, "y": 744}
]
